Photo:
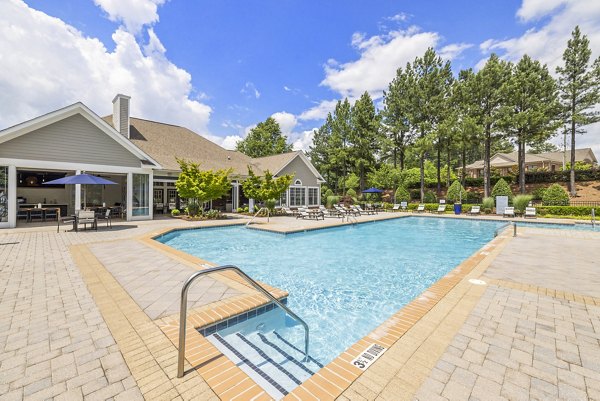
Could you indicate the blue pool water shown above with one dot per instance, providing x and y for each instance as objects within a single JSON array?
[{"x": 343, "y": 281}]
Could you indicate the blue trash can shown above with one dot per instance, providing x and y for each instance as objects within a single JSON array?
[{"x": 457, "y": 208}]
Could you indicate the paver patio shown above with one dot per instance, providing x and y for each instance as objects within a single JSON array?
[{"x": 71, "y": 332}]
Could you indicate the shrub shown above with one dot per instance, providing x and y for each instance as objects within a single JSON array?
[
  {"x": 213, "y": 214},
  {"x": 487, "y": 204},
  {"x": 402, "y": 195},
  {"x": 351, "y": 193},
  {"x": 538, "y": 193},
  {"x": 520, "y": 202},
  {"x": 502, "y": 189},
  {"x": 456, "y": 193},
  {"x": 581, "y": 211},
  {"x": 332, "y": 200},
  {"x": 555, "y": 195},
  {"x": 429, "y": 197},
  {"x": 415, "y": 194},
  {"x": 347, "y": 200},
  {"x": 193, "y": 208},
  {"x": 472, "y": 197},
  {"x": 175, "y": 212},
  {"x": 327, "y": 194}
]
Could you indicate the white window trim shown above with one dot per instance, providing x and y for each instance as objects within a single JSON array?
[
  {"x": 318, "y": 196},
  {"x": 289, "y": 195},
  {"x": 297, "y": 183}
]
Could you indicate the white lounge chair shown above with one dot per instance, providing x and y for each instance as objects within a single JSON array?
[
  {"x": 361, "y": 211},
  {"x": 396, "y": 207},
  {"x": 441, "y": 208},
  {"x": 420, "y": 208},
  {"x": 403, "y": 205},
  {"x": 288, "y": 211},
  {"x": 509, "y": 212},
  {"x": 475, "y": 210},
  {"x": 530, "y": 212}
]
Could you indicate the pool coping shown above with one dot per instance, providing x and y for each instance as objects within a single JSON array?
[{"x": 337, "y": 376}]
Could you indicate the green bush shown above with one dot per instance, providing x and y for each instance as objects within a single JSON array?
[
  {"x": 538, "y": 193},
  {"x": 213, "y": 214},
  {"x": 402, "y": 195},
  {"x": 326, "y": 196},
  {"x": 555, "y": 195},
  {"x": 351, "y": 193},
  {"x": 520, "y": 202},
  {"x": 332, "y": 200},
  {"x": 502, "y": 189},
  {"x": 456, "y": 193},
  {"x": 581, "y": 211},
  {"x": 472, "y": 197},
  {"x": 175, "y": 212},
  {"x": 487, "y": 204},
  {"x": 429, "y": 197},
  {"x": 193, "y": 208}
]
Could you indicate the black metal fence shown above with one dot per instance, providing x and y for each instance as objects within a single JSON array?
[{"x": 572, "y": 203}]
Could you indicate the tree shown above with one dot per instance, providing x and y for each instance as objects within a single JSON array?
[
  {"x": 502, "y": 189},
  {"x": 395, "y": 121},
  {"x": 428, "y": 98},
  {"x": 201, "y": 186},
  {"x": 265, "y": 139},
  {"x": 456, "y": 192},
  {"x": 352, "y": 181},
  {"x": 530, "y": 109},
  {"x": 555, "y": 195},
  {"x": 542, "y": 147},
  {"x": 267, "y": 188},
  {"x": 364, "y": 137},
  {"x": 486, "y": 99},
  {"x": 385, "y": 177},
  {"x": 579, "y": 86},
  {"x": 341, "y": 127}
]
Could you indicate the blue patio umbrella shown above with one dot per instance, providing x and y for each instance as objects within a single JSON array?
[
  {"x": 85, "y": 179},
  {"x": 372, "y": 191}
]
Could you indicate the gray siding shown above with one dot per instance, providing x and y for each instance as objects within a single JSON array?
[
  {"x": 300, "y": 171},
  {"x": 73, "y": 140}
]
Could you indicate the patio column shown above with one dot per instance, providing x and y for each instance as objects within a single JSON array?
[
  {"x": 12, "y": 196},
  {"x": 151, "y": 195},
  {"x": 77, "y": 193},
  {"x": 129, "y": 197}
]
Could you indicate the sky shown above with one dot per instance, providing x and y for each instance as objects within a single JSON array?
[{"x": 220, "y": 67}]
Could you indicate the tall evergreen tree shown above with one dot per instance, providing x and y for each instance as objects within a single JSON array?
[
  {"x": 265, "y": 139},
  {"x": 428, "y": 97},
  {"x": 531, "y": 107},
  {"x": 364, "y": 137},
  {"x": 486, "y": 100},
  {"x": 395, "y": 117},
  {"x": 579, "y": 85},
  {"x": 341, "y": 130}
]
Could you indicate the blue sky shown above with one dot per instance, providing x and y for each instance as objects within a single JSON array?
[{"x": 220, "y": 67}]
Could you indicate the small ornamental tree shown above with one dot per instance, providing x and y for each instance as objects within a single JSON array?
[
  {"x": 326, "y": 195},
  {"x": 201, "y": 186},
  {"x": 402, "y": 195},
  {"x": 267, "y": 188},
  {"x": 456, "y": 192},
  {"x": 502, "y": 189},
  {"x": 555, "y": 195}
]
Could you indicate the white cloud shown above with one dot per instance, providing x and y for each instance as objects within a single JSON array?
[
  {"x": 229, "y": 141},
  {"x": 250, "y": 90},
  {"x": 287, "y": 121},
  {"x": 453, "y": 50},
  {"x": 400, "y": 17},
  {"x": 134, "y": 14},
  {"x": 318, "y": 112},
  {"x": 535, "y": 9},
  {"x": 51, "y": 64},
  {"x": 287, "y": 89},
  {"x": 302, "y": 140},
  {"x": 380, "y": 56}
]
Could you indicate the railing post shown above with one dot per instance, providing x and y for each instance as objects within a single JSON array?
[{"x": 514, "y": 229}]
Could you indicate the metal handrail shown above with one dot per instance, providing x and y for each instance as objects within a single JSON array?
[
  {"x": 593, "y": 217},
  {"x": 502, "y": 227},
  {"x": 260, "y": 210},
  {"x": 183, "y": 309}
]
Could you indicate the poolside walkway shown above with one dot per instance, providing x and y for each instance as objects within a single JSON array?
[{"x": 84, "y": 314}]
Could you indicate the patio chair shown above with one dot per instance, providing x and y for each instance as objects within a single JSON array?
[
  {"x": 441, "y": 208},
  {"x": 396, "y": 207},
  {"x": 420, "y": 209},
  {"x": 509, "y": 212},
  {"x": 288, "y": 211},
  {"x": 530, "y": 212},
  {"x": 36, "y": 214},
  {"x": 475, "y": 210},
  {"x": 22, "y": 214},
  {"x": 51, "y": 214},
  {"x": 404, "y": 205},
  {"x": 86, "y": 217},
  {"x": 108, "y": 218},
  {"x": 371, "y": 207},
  {"x": 361, "y": 211}
]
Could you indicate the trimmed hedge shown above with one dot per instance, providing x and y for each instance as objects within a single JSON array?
[
  {"x": 583, "y": 211},
  {"x": 402, "y": 195},
  {"x": 502, "y": 189},
  {"x": 555, "y": 195}
]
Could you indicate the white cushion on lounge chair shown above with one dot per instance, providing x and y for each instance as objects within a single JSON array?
[
  {"x": 475, "y": 210},
  {"x": 396, "y": 206},
  {"x": 509, "y": 211},
  {"x": 441, "y": 208},
  {"x": 529, "y": 212}
]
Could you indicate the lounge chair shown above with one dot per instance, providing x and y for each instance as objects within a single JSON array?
[
  {"x": 329, "y": 212},
  {"x": 396, "y": 207},
  {"x": 509, "y": 212},
  {"x": 86, "y": 217},
  {"x": 404, "y": 205},
  {"x": 371, "y": 208},
  {"x": 361, "y": 211},
  {"x": 420, "y": 209},
  {"x": 441, "y": 208},
  {"x": 530, "y": 212},
  {"x": 475, "y": 210},
  {"x": 288, "y": 211}
]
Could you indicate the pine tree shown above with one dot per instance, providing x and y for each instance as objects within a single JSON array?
[
  {"x": 364, "y": 137},
  {"x": 579, "y": 85},
  {"x": 531, "y": 107}
]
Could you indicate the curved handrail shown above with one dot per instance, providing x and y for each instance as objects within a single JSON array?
[
  {"x": 502, "y": 227},
  {"x": 260, "y": 210},
  {"x": 183, "y": 309}
]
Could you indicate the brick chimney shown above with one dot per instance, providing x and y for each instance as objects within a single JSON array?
[{"x": 121, "y": 114}]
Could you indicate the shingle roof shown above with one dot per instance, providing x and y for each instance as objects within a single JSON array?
[
  {"x": 275, "y": 162},
  {"x": 165, "y": 142},
  {"x": 580, "y": 155}
]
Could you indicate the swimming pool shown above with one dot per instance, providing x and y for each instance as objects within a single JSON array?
[{"x": 343, "y": 281}]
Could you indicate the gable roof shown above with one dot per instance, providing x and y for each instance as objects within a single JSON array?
[
  {"x": 77, "y": 108},
  {"x": 276, "y": 163},
  {"x": 511, "y": 159}
]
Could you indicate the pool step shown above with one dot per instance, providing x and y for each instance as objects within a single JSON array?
[{"x": 270, "y": 360}]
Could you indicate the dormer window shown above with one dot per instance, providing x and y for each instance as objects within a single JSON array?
[{"x": 297, "y": 182}]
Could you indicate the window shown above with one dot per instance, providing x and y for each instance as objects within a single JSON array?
[
  {"x": 283, "y": 199},
  {"x": 297, "y": 182},
  {"x": 313, "y": 196},
  {"x": 141, "y": 189},
  {"x": 297, "y": 196}
]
